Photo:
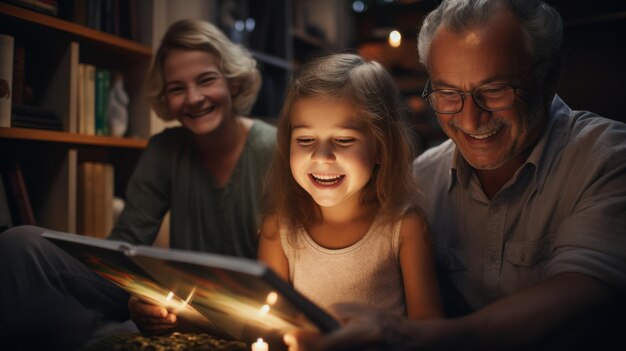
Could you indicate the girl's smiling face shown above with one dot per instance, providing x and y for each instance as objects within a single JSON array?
[
  {"x": 331, "y": 156},
  {"x": 197, "y": 92}
]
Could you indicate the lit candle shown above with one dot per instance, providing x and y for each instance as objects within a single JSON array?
[{"x": 260, "y": 345}]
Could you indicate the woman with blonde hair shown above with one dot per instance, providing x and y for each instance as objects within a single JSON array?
[{"x": 208, "y": 173}]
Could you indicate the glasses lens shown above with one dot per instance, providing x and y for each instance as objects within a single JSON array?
[
  {"x": 495, "y": 97},
  {"x": 446, "y": 101}
]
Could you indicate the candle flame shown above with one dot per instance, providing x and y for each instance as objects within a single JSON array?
[
  {"x": 264, "y": 310},
  {"x": 190, "y": 295},
  {"x": 169, "y": 297},
  {"x": 272, "y": 297}
]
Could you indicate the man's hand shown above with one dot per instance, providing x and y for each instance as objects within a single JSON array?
[
  {"x": 150, "y": 319},
  {"x": 569, "y": 311},
  {"x": 365, "y": 329}
]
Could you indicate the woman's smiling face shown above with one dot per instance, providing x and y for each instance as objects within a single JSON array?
[{"x": 197, "y": 93}]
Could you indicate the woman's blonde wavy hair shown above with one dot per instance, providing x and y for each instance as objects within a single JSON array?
[{"x": 236, "y": 63}]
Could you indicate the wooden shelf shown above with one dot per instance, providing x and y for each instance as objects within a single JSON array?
[
  {"x": 53, "y": 50},
  {"x": 71, "y": 138},
  {"x": 79, "y": 31}
]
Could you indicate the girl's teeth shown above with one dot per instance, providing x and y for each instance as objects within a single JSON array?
[{"x": 327, "y": 179}]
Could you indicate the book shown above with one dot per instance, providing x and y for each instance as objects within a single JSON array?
[
  {"x": 19, "y": 64},
  {"x": 5, "y": 212},
  {"x": 103, "y": 87},
  {"x": 47, "y": 7},
  {"x": 107, "y": 205},
  {"x": 85, "y": 98},
  {"x": 94, "y": 14},
  {"x": 98, "y": 200},
  {"x": 79, "y": 12},
  {"x": 95, "y": 187},
  {"x": 80, "y": 99},
  {"x": 237, "y": 297},
  {"x": 6, "y": 78},
  {"x": 85, "y": 190},
  {"x": 24, "y": 116},
  {"x": 17, "y": 194},
  {"x": 89, "y": 103}
]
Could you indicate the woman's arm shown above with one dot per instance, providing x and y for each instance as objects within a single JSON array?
[
  {"x": 417, "y": 262},
  {"x": 148, "y": 193}
]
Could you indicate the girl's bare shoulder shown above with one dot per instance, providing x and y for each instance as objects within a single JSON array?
[
  {"x": 414, "y": 226},
  {"x": 270, "y": 228}
]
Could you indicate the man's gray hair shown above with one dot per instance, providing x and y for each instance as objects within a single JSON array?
[{"x": 541, "y": 24}]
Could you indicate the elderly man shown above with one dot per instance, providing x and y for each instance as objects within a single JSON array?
[{"x": 527, "y": 200}]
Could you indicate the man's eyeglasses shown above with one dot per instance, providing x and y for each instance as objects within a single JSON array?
[{"x": 491, "y": 97}]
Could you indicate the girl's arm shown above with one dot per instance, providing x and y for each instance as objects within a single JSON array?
[
  {"x": 270, "y": 249},
  {"x": 417, "y": 262}
]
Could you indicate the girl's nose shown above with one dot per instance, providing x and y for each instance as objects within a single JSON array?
[{"x": 323, "y": 152}]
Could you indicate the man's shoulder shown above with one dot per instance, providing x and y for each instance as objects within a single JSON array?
[
  {"x": 435, "y": 157},
  {"x": 595, "y": 135},
  {"x": 584, "y": 124}
]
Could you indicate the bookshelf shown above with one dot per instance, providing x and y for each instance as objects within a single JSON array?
[
  {"x": 71, "y": 138},
  {"x": 283, "y": 34},
  {"x": 50, "y": 161}
]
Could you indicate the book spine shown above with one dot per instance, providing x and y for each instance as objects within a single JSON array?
[
  {"x": 90, "y": 99},
  {"x": 47, "y": 7},
  {"x": 99, "y": 200},
  {"x": 85, "y": 201},
  {"x": 5, "y": 212},
  {"x": 26, "y": 210},
  {"x": 93, "y": 14},
  {"x": 79, "y": 12},
  {"x": 19, "y": 201},
  {"x": 103, "y": 85},
  {"x": 6, "y": 78},
  {"x": 19, "y": 67},
  {"x": 107, "y": 211},
  {"x": 106, "y": 16},
  {"x": 80, "y": 100}
]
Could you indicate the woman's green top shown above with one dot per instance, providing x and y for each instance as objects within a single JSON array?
[{"x": 170, "y": 176}]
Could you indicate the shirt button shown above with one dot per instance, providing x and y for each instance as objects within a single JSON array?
[{"x": 523, "y": 258}]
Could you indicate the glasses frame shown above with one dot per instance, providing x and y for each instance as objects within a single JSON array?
[{"x": 519, "y": 86}]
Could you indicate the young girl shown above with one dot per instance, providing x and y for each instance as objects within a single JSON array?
[{"x": 341, "y": 224}]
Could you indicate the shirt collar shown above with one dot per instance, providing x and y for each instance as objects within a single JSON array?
[
  {"x": 540, "y": 157},
  {"x": 551, "y": 141}
]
